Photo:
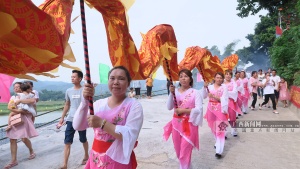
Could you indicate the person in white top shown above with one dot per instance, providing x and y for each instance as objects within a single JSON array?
[
  {"x": 131, "y": 93},
  {"x": 137, "y": 87},
  {"x": 117, "y": 122},
  {"x": 276, "y": 80},
  {"x": 268, "y": 85},
  {"x": 261, "y": 77}
]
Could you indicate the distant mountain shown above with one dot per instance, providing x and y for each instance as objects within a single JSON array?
[{"x": 100, "y": 89}]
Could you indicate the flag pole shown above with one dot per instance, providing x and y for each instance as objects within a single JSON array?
[{"x": 86, "y": 53}]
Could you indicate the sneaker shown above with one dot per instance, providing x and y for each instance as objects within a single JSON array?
[{"x": 276, "y": 112}]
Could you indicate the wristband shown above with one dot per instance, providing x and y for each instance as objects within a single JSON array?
[{"x": 103, "y": 123}]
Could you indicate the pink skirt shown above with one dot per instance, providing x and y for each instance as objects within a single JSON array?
[
  {"x": 284, "y": 95},
  {"x": 102, "y": 161},
  {"x": 25, "y": 130}
]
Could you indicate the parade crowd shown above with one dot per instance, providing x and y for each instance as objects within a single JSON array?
[{"x": 117, "y": 119}]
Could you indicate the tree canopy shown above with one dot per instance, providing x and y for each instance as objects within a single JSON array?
[{"x": 284, "y": 51}]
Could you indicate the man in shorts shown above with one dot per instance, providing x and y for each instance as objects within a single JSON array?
[{"x": 73, "y": 99}]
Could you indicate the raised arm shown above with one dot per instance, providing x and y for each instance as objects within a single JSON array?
[
  {"x": 233, "y": 93},
  {"x": 121, "y": 149},
  {"x": 224, "y": 100},
  {"x": 196, "y": 115}
]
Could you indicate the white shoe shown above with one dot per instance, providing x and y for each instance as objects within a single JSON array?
[{"x": 276, "y": 112}]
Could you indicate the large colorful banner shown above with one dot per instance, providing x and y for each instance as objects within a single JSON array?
[
  {"x": 5, "y": 83},
  {"x": 295, "y": 96}
]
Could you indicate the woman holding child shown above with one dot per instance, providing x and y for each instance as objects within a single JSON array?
[{"x": 22, "y": 131}]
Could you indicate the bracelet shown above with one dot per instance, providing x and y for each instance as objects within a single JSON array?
[{"x": 102, "y": 124}]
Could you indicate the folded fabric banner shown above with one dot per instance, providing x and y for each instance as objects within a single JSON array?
[{"x": 5, "y": 83}]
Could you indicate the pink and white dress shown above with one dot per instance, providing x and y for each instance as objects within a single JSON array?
[
  {"x": 240, "y": 89},
  {"x": 25, "y": 130},
  {"x": 284, "y": 93},
  {"x": 184, "y": 128},
  {"x": 217, "y": 114},
  {"x": 246, "y": 96},
  {"x": 108, "y": 152}
]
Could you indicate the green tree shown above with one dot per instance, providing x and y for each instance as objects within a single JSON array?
[
  {"x": 215, "y": 51},
  {"x": 229, "y": 49},
  {"x": 285, "y": 53},
  {"x": 252, "y": 7}
]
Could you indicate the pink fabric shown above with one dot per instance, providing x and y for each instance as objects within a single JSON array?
[
  {"x": 284, "y": 93},
  {"x": 254, "y": 88},
  {"x": 5, "y": 83},
  {"x": 233, "y": 109},
  {"x": 183, "y": 143},
  {"x": 183, "y": 150},
  {"x": 232, "y": 106},
  {"x": 116, "y": 116},
  {"x": 245, "y": 98},
  {"x": 239, "y": 101},
  {"x": 214, "y": 111},
  {"x": 25, "y": 130},
  {"x": 199, "y": 77}
]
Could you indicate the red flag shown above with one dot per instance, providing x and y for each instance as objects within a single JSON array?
[
  {"x": 278, "y": 31},
  {"x": 5, "y": 83}
]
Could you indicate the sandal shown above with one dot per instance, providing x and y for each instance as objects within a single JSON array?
[
  {"x": 10, "y": 165},
  {"x": 32, "y": 156},
  {"x": 84, "y": 161}
]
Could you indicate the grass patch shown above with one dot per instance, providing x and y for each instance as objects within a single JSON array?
[{"x": 42, "y": 106}]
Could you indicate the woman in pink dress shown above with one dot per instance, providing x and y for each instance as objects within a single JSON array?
[
  {"x": 117, "y": 123},
  {"x": 240, "y": 89},
  {"x": 284, "y": 94},
  {"x": 233, "y": 108},
  {"x": 22, "y": 131},
  {"x": 217, "y": 111},
  {"x": 246, "y": 94},
  {"x": 186, "y": 118}
]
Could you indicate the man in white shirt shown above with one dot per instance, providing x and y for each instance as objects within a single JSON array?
[{"x": 276, "y": 80}]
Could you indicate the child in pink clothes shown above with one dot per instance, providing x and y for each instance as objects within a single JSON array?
[{"x": 284, "y": 94}]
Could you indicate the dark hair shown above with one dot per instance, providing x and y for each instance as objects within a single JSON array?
[
  {"x": 228, "y": 71},
  {"x": 29, "y": 82},
  {"x": 79, "y": 73},
  {"x": 19, "y": 83},
  {"x": 220, "y": 73},
  {"x": 131, "y": 88},
  {"x": 274, "y": 70},
  {"x": 253, "y": 72},
  {"x": 260, "y": 70},
  {"x": 124, "y": 69},
  {"x": 267, "y": 73},
  {"x": 25, "y": 86},
  {"x": 189, "y": 74},
  {"x": 244, "y": 72},
  {"x": 236, "y": 72}
]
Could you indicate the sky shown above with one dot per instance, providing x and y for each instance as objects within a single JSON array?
[{"x": 195, "y": 22}]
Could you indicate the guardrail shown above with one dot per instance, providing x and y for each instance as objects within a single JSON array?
[{"x": 154, "y": 93}]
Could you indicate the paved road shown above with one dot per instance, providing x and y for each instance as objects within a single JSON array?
[{"x": 248, "y": 150}]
